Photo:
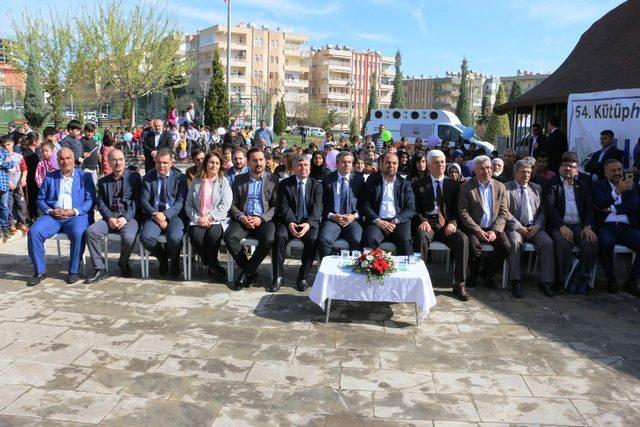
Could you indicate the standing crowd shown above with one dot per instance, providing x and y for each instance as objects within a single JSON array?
[{"x": 246, "y": 183}]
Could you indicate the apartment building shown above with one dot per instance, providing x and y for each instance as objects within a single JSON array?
[
  {"x": 341, "y": 80},
  {"x": 266, "y": 65},
  {"x": 527, "y": 79},
  {"x": 418, "y": 92},
  {"x": 12, "y": 80}
]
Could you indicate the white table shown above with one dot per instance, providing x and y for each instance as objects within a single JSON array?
[{"x": 410, "y": 286}]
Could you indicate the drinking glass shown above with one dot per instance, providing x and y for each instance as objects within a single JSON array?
[
  {"x": 366, "y": 250},
  {"x": 416, "y": 257},
  {"x": 344, "y": 254},
  {"x": 355, "y": 254}
]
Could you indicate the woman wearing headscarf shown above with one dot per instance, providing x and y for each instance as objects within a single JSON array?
[{"x": 318, "y": 167}]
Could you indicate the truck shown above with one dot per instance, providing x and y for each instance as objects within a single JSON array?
[{"x": 422, "y": 124}]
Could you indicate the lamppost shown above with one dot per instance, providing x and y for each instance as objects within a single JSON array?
[{"x": 204, "y": 85}]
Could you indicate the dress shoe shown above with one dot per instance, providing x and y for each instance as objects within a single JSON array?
[
  {"x": 302, "y": 284},
  {"x": 244, "y": 281},
  {"x": 125, "y": 271},
  {"x": 13, "y": 229},
  {"x": 23, "y": 228},
  {"x": 96, "y": 277},
  {"x": 516, "y": 289},
  {"x": 36, "y": 279},
  {"x": 6, "y": 233},
  {"x": 460, "y": 291},
  {"x": 631, "y": 286},
  {"x": 612, "y": 286},
  {"x": 164, "y": 266},
  {"x": 488, "y": 281},
  {"x": 250, "y": 279},
  {"x": 276, "y": 284},
  {"x": 545, "y": 288},
  {"x": 73, "y": 278}
]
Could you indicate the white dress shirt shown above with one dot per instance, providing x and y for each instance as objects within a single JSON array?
[
  {"x": 526, "y": 215},
  {"x": 388, "y": 205},
  {"x": 65, "y": 199},
  {"x": 614, "y": 216},
  {"x": 486, "y": 192},
  {"x": 571, "y": 215},
  {"x": 156, "y": 139}
]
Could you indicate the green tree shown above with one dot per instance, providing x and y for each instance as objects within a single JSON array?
[
  {"x": 53, "y": 49},
  {"x": 463, "y": 106},
  {"x": 484, "y": 110},
  {"x": 397, "y": 98},
  {"x": 171, "y": 100},
  {"x": 280, "y": 118},
  {"x": 330, "y": 120},
  {"x": 126, "y": 110},
  {"x": 216, "y": 107},
  {"x": 35, "y": 110},
  {"x": 80, "y": 113},
  {"x": 498, "y": 123},
  {"x": 353, "y": 129},
  {"x": 373, "y": 103},
  {"x": 135, "y": 49},
  {"x": 516, "y": 91},
  {"x": 316, "y": 114}
]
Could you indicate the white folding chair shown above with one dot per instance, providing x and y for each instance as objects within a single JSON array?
[
  {"x": 251, "y": 243},
  {"x": 184, "y": 253},
  {"x": 489, "y": 248},
  {"x": 60, "y": 237}
]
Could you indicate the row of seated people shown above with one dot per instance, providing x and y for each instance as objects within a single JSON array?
[{"x": 386, "y": 207}]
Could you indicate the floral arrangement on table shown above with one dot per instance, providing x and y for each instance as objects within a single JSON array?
[{"x": 376, "y": 264}]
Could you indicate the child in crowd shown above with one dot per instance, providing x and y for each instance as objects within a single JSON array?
[
  {"x": 358, "y": 165},
  {"x": 16, "y": 204},
  {"x": 5, "y": 165},
  {"x": 90, "y": 156},
  {"x": 48, "y": 162},
  {"x": 108, "y": 144}
]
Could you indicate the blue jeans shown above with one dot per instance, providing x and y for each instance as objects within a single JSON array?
[{"x": 4, "y": 209}]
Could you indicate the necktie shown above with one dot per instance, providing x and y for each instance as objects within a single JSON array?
[
  {"x": 300, "y": 206},
  {"x": 439, "y": 202},
  {"x": 524, "y": 205},
  {"x": 164, "y": 194},
  {"x": 344, "y": 197}
]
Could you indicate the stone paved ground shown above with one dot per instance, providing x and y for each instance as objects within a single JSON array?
[{"x": 160, "y": 353}]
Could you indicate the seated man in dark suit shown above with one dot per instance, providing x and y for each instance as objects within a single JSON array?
[
  {"x": 617, "y": 205},
  {"x": 569, "y": 215},
  {"x": 65, "y": 199},
  {"x": 252, "y": 211},
  {"x": 299, "y": 211},
  {"x": 388, "y": 205},
  {"x": 341, "y": 191},
  {"x": 118, "y": 196},
  {"x": 436, "y": 212},
  {"x": 155, "y": 140},
  {"x": 163, "y": 194},
  {"x": 483, "y": 211},
  {"x": 595, "y": 167}
]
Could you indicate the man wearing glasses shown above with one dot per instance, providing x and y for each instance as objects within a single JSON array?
[{"x": 569, "y": 210}]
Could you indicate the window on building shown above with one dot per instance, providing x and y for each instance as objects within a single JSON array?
[
  {"x": 257, "y": 58},
  {"x": 206, "y": 39},
  {"x": 257, "y": 41}
]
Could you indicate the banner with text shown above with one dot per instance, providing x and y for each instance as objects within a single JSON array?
[{"x": 591, "y": 113}]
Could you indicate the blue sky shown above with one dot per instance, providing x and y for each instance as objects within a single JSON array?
[{"x": 497, "y": 36}]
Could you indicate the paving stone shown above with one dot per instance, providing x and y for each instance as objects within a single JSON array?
[
  {"x": 261, "y": 352},
  {"x": 10, "y": 393},
  {"x": 535, "y": 348},
  {"x": 527, "y": 410},
  {"x": 97, "y": 339},
  {"x": 121, "y": 358},
  {"x": 421, "y": 361},
  {"x": 474, "y": 383},
  {"x": 29, "y": 332},
  {"x": 385, "y": 380},
  {"x": 422, "y": 406},
  {"x": 294, "y": 375},
  {"x": 139, "y": 384},
  {"x": 220, "y": 368},
  {"x": 44, "y": 375},
  {"x": 62, "y": 405},
  {"x": 70, "y": 319},
  {"x": 245, "y": 417},
  {"x": 229, "y": 393},
  {"x": 49, "y": 352},
  {"x": 181, "y": 346},
  {"x": 559, "y": 386},
  {"x": 315, "y": 356},
  {"x": 455, "y": 345},
  {"x": 508, "y": 365},
  {"x": 610, "y": 413},
  {"x": 134, "y": 411}
]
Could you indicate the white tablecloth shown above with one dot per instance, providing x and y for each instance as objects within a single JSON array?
[{"x": 413, "y": 285}]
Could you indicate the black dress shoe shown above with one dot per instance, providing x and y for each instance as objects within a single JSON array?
[
  {"x": 460, "y": 292},
  {"x": 488, "y": 281},
  {"x": 276, "y": 284},
  {"x": 302, "y": 284},
  {"x": 546, "y": 289},
  {"x": 97, "y": 276},
  {"x": 73, "y": 278},
  {"x": 125, "y": 271},
  {"x": 631, "y": 286},
  {"x": 164, "y": 265},
  {"x": 516, "y": 289},
  {"x": 612, "y": 286},
  {"x": 36, "y": 279},
  {"x": 248, "y": 279}
]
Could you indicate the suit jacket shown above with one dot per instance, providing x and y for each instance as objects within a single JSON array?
[
  {"x": 470, "y": 206},
  {"x": 540, "y": 146},
  {"x": 83, "y": 192},
  {"x": 603, "y": 199},
  {"x": 130, "y": 195},
  {"x": 240, "y": 189},
  {"x": 534, "y": 192},
  {"x": 219, "y": 211},
  {"x": 177, "y": 193},
  {"x": 329, "y": 183},
  {"x": 149, "y": 145},
  {"x": 288, "y": 200},
  {"x": 553, "y": 202},
  {"x": 596, "y": 166},
  {"x": 426, "y": 201},
  {"x": 555, "y": 146},
  {"x": 371, "y": 199}
]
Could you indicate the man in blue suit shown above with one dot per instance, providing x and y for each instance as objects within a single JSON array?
[
  {"x": 164, "y": 191},
  {"x": 598, "y": 159},
  {"x": 617, "y": 205},
  {"x": 341, "y": 191},
  {"x": 65, "y": 199}
]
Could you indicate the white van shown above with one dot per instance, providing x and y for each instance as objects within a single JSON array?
[{"x": 422, "y": 124}]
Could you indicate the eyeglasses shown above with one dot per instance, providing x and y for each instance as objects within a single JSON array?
[{"x": 570, "y": 166}]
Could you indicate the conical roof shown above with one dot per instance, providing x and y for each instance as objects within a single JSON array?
[{"x": 606, "y": 57}]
